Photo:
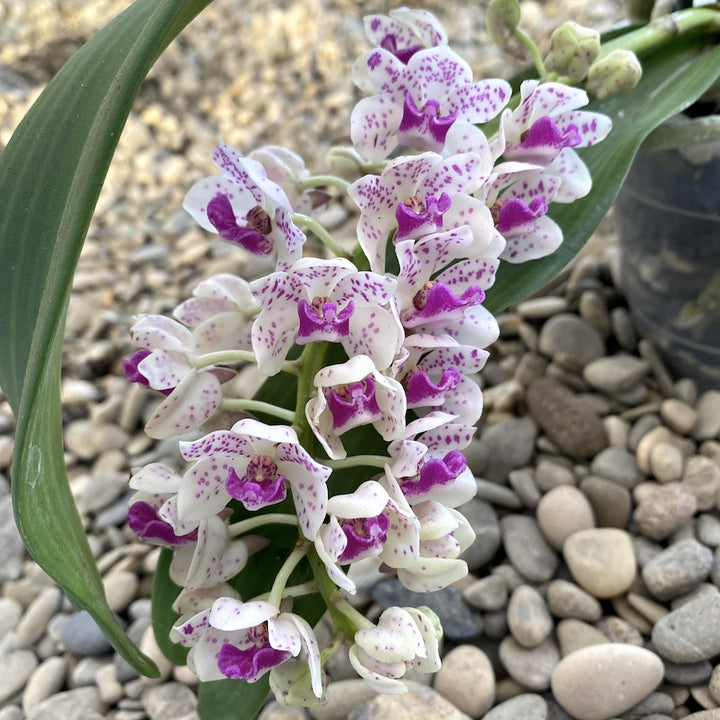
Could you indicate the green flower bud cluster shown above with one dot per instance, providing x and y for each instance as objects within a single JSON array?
[
  {"x": 615, "y": 73},
  {"x": 573, "y": 49}
]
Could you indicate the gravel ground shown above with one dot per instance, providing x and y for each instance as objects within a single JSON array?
[{"x": 595, "y": 573}]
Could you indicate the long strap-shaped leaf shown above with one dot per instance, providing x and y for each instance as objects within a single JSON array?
[
  {"x": 673, "y": 78},
  {"x": 50, "y": 177}
]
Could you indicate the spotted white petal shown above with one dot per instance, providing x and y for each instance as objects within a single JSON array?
[{"x": 188, "y": 406}]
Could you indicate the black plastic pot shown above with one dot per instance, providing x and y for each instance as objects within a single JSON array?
[{"x": 668, "y": 216}]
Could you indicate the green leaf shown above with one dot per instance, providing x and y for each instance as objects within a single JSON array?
[
  {"x": 50, "y": 177},
  {"x": 672, "y": 80},
  {"x": 232, "y": 699}
]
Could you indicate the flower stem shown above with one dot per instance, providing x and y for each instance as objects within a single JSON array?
[
  {"x": 346, "y": 618},
  {"x": 315, "y": 227},
  {"x": 378, "y": 461},
  {"x": 323, "y": 181},
  {"x": 311, "y": 360},
  {"x": 232, "y": 356},
  {"x": 306, "y": 588},
  {"x": 278, "y": 588},
  {"x": 225, "y": 356},
  {"x": 703, "y": 20},
  {"x": 243, "y": 526},
  {"x": 529, "y": 43},
  {"x": 258, "y": 406}
]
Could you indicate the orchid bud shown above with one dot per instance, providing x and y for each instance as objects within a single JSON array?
[
  {"x": 293, "y": 684},
  {"x": 502, "y": 19},
  {"x": 345, "y": 162},
  {"x": 573, "y": 49},
  {"x": 613, "y": 74}
]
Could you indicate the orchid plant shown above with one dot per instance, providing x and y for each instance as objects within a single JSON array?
[{"x": 469, "y": 194}]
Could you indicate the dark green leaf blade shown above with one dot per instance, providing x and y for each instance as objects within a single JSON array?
[
  {"x": 232, "y": 699},
  {"x": 50, "y": 177},
  {"x": 672, "y": 79}
]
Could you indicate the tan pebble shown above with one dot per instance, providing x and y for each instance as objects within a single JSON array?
[
  {"x": 711, "y": 449},
  {"x": 714, "y": 684},
  {"x": 660, "y": 434},
  {"x": 601, "y": 681},
  {"x": 275, "y": 711},
  {"x": 619, "y": 631},
  {"x": 666, "y": 462},
  {"x": 574, "y": 634},
  {"x": 644, "y": 490},
  {"x": 707, "y": 426},
  {"x": 702, "y": 476},
  {"x": 111, "y": 691},
  {"x": 148, "y": 645},
  {"x": 665, "y": 510},
  {"x": 120, "y": 588},
  {"x": 467, "y": 680},
  {"x": 567, "y": 600},
  {"x": 183, "y": 674},
  {"x": 506, "y": 689},
  {"x": 678, "y": 415},
  {"x": 47, "y": 679},
  {"x": 418, "y": 702},
  {"x": 627, "y": 613},
  {"x": 601, "y": 560},
  {"x": 648, "y": 608},
  {"x": 701, "y": 695},
  {"x": 528, "y": 617},
  {"x": 562, "y": 511},
  {"x": 617, "y": 430},
  {"x": 343, "y": 696}
]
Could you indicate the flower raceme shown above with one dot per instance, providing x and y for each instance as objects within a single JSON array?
[{"x": 375, "y": 347}]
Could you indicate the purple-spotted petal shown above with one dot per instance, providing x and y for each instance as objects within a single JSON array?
[
  {"x": 230, "y": 614},
  {"x": 307, "y": 480},
  {"x": 164, "y": 370},
  {"x": 478, "y": 271},
  {"x": 215, "y": 559},
  {"x": 476, "y": 327},
  {"x": 480, "y": 101},
  {"x": 219, "y": 443},
  {"x": 157, "y": 331},
  {"x": 543, "y": 237},
  {"x": 155, "y": 478},
  {"x": 187, "y": 407},
  {"x": 575, "y": 179},
  {"x": 330, "y": 544},
  {"x": 373, "y": 126},
  {"x": 368, "y": 500},
  {"x": 432, "y": 574},
  {"x": 202, "y": 490}
]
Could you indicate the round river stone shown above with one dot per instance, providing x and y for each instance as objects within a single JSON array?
[
  {"x": 601, "y": 560},
  {"x": 602, "y": 681}
]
